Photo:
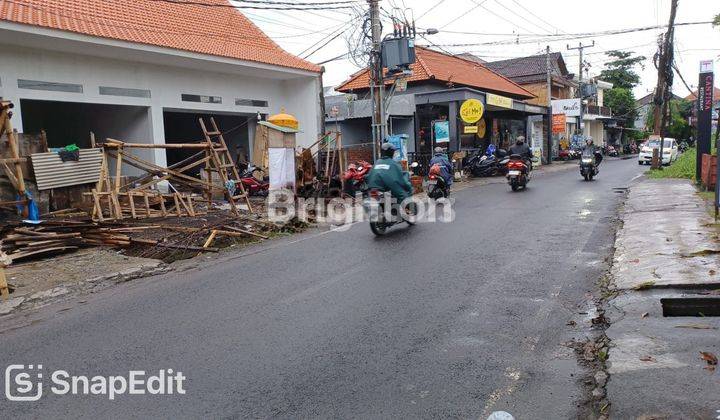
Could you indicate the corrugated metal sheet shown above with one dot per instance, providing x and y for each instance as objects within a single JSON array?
[{"x": 52, "y": 172}]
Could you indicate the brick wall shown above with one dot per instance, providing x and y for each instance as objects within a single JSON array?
[{"x": 359, "y": 152}]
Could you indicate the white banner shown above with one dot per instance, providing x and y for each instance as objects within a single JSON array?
[
  {"x": 569, "y": 107},
  {"x": 282, "y": 168}
]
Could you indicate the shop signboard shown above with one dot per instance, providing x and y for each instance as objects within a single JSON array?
[
  {"x": 441, "y": 130},
  {"x": 704, "y": 106},
  {"x": 471, "y": 111},
  {"x": 470, "y": 129},
  {"x": 499, "y": 101},
  {"x": 482, "y": 128},
  {"x": 537, "y": 143},
  {"x": 569, "y": 107},
  {"x": 400, "y": 142},
  {"x": 558, "y": 123}
]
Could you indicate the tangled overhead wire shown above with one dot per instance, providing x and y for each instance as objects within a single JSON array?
[{"x": 359, "y": 39}]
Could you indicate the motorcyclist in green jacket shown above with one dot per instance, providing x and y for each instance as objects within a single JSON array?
[{"x": 387, "y": 175}]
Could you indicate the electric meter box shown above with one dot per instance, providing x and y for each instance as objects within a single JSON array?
[{"x": 398, "y": 54}]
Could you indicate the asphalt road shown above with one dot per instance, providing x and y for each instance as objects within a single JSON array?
[{"x": 439, "y": 320}]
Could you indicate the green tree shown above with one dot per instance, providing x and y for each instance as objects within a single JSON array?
[
  {"x": 680, "y": 111},
  {"x": 716, "y": 22},
  {"x": 622, "y": 103},
  {"x": 620, "y": 71}
]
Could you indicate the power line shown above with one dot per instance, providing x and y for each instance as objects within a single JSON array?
[
  {"x": 521, "y": 17},
  {"x": 430, "y": 9},
  {"x": 334, "y": 37},
  {"x": 463, "y": 14},
  {"x": 506, "y": 19},
  {"x": 565, "y": 37},
  {"x": 266, "y": 5},
  {"x": 537, "y": 17},
  {"x": 339, "y": 57},
  {"x": 545, "y": 37}
]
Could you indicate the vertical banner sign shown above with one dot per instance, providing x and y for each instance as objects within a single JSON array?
[
  {"x": 704, "y": 113},
  {"x": 441, "y": 129},
  {"x": 558, "y": 123}
]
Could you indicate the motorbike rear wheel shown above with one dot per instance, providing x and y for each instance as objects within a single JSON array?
[
  {"x": 438, "y": 192},
  {"x": 378, "y": 228}
]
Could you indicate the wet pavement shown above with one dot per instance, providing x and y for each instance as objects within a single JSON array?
[
  {"x": 437, "y": 320},
  {"x": 667, "y": 249}
]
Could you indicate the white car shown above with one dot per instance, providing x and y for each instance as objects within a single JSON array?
[{"x": 670, "y": 151}]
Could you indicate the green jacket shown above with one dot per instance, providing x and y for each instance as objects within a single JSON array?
[{"x": 387, "y": 175}]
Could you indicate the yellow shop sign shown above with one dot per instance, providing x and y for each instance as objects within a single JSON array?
[
  {"x": 498, "y": 100},
  {"x": 471, "y": 111}
]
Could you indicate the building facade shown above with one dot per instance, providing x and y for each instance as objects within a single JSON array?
[
  {"x": 432, "y": 96},
  {"x": 145, "y": 71},
  {"x": 531, "y": 73}
]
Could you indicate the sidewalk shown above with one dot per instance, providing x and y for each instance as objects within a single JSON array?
[{"x": 667, "y": 248}]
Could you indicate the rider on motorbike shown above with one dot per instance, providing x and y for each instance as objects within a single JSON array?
[
  {"x": 387, "y": 175},
  {"x": 446, "y": 168},
  {"x": 522, "y": 149},
  {"x": 590, "y": 145}
]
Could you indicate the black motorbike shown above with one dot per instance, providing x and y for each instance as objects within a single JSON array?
[
  {"x": 589, "y": 162},
  {"x": 437, "y": 187},
  {"x": 380, "y": 220},
  {"x": 482, "y": 165}
]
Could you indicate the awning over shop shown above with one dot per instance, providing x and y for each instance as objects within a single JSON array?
[{"x": 491, "y": 101}]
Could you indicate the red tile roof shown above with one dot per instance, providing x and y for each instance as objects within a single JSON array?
[
  {"x": 434, "y": 65},
  {"x": 218, "y": 31},
  {"x": 693, "y": 96}
]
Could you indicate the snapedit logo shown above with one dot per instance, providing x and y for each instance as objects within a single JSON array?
[{"x": 26, "y": 383}]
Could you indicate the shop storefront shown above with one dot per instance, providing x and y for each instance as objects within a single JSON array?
[{"x": 467, "y": 120}]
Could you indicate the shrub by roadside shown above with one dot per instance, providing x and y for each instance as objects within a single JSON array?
[{"x": 683, "y": 167}]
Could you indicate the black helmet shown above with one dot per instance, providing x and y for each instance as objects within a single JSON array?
[{"x": 387, "y": 150}]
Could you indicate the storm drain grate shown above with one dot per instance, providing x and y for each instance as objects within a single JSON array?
[{"x": 707, "y": 306}]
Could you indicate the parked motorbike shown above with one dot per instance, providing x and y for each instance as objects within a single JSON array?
[
  {"x": 251, "y": 183},
  {"x": 518, "y": 174},
  {"x": 437, "y": 187},
  {"x": 354, "y": 177},
  {"x": 588, "y": 165},
  {"x": 492, "y": 165},
  {"x": 611, "y": 151}
]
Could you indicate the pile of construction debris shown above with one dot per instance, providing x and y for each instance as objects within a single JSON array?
[{"x": 166, "y": 239}]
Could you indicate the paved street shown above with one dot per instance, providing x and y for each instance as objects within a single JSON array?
[{"x": 437, "y": 320}]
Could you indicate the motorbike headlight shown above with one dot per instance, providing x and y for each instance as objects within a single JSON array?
[{"x": 587, "y": 160}]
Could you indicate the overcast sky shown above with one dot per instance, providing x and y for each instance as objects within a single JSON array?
[{"x": 297, "y": 32}]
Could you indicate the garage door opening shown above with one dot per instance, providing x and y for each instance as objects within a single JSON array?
[
  {"x": 71, "y": 122},
  {"x": 184, "y": 127}
]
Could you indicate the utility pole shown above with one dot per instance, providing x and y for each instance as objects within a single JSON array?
[
  {"x": 549, "y": 105},
  {"x": 377, "y": 86},
  {"x": 663, "y": 90},
  {"x": 580, "y": 49}
]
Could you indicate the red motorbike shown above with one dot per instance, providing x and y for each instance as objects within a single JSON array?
[
  {"x": 518, "y": 172},
  {"x": 253, "y": 185},
  {"x": 354, "y": 177}
]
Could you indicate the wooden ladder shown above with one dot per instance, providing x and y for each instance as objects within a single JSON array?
[{"x": 222, "y": 160}]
